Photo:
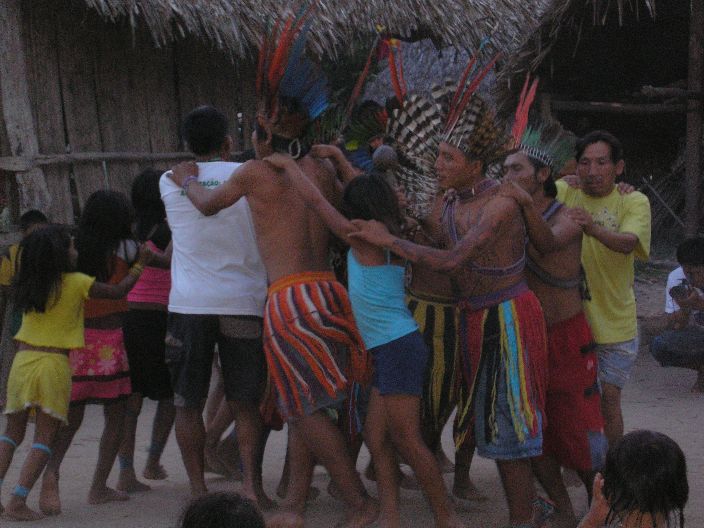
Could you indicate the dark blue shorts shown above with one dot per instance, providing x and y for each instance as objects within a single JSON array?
[{"x": 400, "y": 365}]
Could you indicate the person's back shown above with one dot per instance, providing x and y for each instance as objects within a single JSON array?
[
  {"x": 290, "y": 236},
  {"x": 215, "y": 266}
]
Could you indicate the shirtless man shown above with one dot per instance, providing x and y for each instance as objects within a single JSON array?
[
  {"x": 293, "y": 244},
  {"x": 501, "y": 325},
  {"x": 431, "y": 297},
  {"x": 574, "y": 436}
]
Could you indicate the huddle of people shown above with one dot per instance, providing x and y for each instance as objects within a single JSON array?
[{"x": 508, "y": 304}]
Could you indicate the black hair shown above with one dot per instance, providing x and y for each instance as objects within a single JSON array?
[
  {"x": 221, "y": 510},
  {"x": 370, "y": 197},
  {"x": 44, "y": 257},
  {"x": 691, "y": 252},
  {"x": 149, "y": 210},
  {"x": 204, "y": 130},
  {"x": 106, "y": 221},
  {"x": 646, "y": 473},
  {"x": 615, "y": 147},
  {"x": 32, "y": 217},
  {"x": 549, "y": 187}
]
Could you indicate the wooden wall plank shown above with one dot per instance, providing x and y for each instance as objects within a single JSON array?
[
  {"x": 17, "y": 110},
  {"x": 45, "y": 95},
  {"x": 77, "y": 44}
]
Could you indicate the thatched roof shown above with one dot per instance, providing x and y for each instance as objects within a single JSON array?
[
  {"x": 564, "y": 22},
  {"x": 236, "y": 25}
]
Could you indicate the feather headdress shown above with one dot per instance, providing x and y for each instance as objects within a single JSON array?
[
  {"x": 455, "y": 114},
  {"x": 291, "y": 88},
  {"x": 545, "y": 141}
]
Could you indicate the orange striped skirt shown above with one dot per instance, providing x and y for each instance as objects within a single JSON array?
[{"x": 314, "y": 352}]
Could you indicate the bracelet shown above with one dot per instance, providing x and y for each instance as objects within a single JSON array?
[
  {"x": 136, "y": 269},
  {"x": 187, "y": 182}
]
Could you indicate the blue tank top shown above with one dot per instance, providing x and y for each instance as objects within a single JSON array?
[{"x": 379, "y": 302}]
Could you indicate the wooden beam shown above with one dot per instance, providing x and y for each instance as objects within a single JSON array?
[
  {"x": 25, "y": 163},
  {"x": 618, "y": 108},
  {"x": 17, "y": 108},
  {"x": 695, "y": 74}
]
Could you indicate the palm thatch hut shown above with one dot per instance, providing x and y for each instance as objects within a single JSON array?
[
  {"x": 93, "y": 90},
  {"x": 634, "y": 68}
]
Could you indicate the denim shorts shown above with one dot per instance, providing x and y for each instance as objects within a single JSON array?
[
  {"x": 616, "y": 361},
  {"x": 400, "y": 365}
]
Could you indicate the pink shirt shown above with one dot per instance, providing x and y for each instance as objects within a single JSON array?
[{"x": 153, "y": 285}]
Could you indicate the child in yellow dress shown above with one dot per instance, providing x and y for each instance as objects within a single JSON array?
[{"x": 50, "y": 297}]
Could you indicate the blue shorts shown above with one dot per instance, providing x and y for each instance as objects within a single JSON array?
[
  {"x": 400, "y": 365},
  {"x": 506, "y": 445},
  {"x": 616, "y": 361}
]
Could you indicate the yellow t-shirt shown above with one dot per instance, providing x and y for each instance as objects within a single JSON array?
[
  {"x": 61, "y": 325},
  {"x": 8, "y": 265},
  {"x": 612, "y": 308}
]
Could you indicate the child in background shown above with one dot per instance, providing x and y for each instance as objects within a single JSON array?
[
  {"x": 144, "y": 328},
  {"x": 50, "y": 296},
  {"x": 100, "y": 370},
  {"x": 10, "y": 318},
  {"x": 644, "y": 484},
  {"x": 221, "y": 510}
]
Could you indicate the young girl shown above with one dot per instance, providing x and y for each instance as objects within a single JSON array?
[
  {"x": 145, "y": 329},
  {"x": 376, "y": 289},
  {"x": 100, "y": 370},
  {"x": 50, "y": 296},
  {"x": 644, "y": 484}
]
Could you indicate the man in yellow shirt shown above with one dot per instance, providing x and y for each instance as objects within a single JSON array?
[{"x": 616, "y": 231}]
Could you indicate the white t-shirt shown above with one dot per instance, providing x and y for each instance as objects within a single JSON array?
[
  {"x": 673, "y": 279},
  {"x": 216, "y": 267}
]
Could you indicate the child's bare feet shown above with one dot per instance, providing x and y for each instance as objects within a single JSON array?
[
  {"x": 263, "y": 502},
  {"x": 154, "y": 472},
  {"x": 49, "y": 501},
  {"x": 101, "y": 496},
  {"x": 17, "y": 510},
  {"x": 127, "y": 482},
  {"x": 286, "y": 520},
  {"x": 364, "y": 516},
  {"x": 468, "y": 492}
]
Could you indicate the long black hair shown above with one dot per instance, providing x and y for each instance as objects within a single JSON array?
[
  {"x": 149, "y": 210},
  {"x": 44, "y": 257},
  {"x": 221, "y": 510},
  {"x": 106, "y": 220},
  {"x": 646, "y": 473},
  {"x": 370, "y": 197}
]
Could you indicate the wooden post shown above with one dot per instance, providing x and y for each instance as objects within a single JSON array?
[
  {"x": 693, "y": 174},
  {"x": 16, "y": 105}
]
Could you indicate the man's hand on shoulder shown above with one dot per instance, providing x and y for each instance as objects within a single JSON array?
[
  {"x": 183, "y": 170},
  {"x": 572, "y": 180},
  {"x": 325, "y": 151},
  {"x": 515, "y": 192},
  {"x": 625, "y": 188}
]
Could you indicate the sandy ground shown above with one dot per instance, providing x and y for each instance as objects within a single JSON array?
[{"x": 656, "y": 398}]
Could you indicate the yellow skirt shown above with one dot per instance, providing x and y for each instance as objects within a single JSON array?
[{"x": 39, "y": 380}]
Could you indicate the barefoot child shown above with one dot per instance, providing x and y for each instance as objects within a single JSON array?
[
  {"x": 376, "y": 287},
  {"x": 50, "y": 296}
]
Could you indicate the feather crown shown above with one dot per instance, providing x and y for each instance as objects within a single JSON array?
[{"x": 291, "y": 88}]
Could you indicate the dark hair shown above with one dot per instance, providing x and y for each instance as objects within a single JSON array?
[
  {"x": 105, "y": 222},
  {"x": 549, "y": 187},
  {"x": 146, "y": 200},
  {"x": 44, "y": 257},
  {"x": 691, "y": 252},
  {"x": 32, "y": 217},
  {"x": 616, "y": 150},
  {"x": 221, "y": 510},
  {"x": 370, "y": 197},
  {"x": 646, "y": 473},
  {"x": 204, "y": 130}
]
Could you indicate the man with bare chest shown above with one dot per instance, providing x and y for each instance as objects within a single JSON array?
[
  {"x": 574, "y": 436},
  {"x": 501, "y": 329}
]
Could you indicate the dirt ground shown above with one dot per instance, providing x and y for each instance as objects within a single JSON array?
[{"x": 656, "y": 398}]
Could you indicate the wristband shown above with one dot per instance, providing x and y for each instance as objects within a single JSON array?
[
  {"x": 187, "y": 182},
  {"x": 136, "y": 270}
]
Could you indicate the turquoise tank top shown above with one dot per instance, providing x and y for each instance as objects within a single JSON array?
[{"x": 378, "y": 301}]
